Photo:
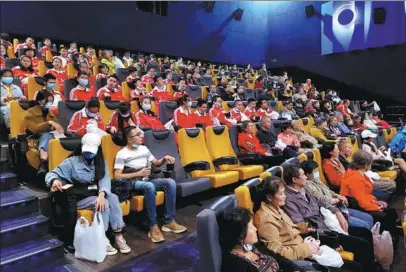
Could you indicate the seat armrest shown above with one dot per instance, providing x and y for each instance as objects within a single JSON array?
[
  {"x": 168, "y": 174},
  {"x": 346, "y": 255},
  {"x": 251, "y": 155},
  {"x": 225, "y": 160},
  {"x": 197, "y": 165}
]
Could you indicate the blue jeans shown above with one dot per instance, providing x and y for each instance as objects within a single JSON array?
[
  {"x": 149, "y": 188},
  {"x": 380, "y": 195},
  {"x": 112, "y": 212},
  {"x": 44, "y": 139},
  {"x": 360, "y": 219}
]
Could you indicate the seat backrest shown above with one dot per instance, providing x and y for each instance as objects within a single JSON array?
[
  {"x": 10, "y": 63},
  {"x": 110, "y": 150},
  {"x": 68, "y": 85},
  {"x": 291, "y": 161},
  {"x": 166, "y": 109},
  {"x": 67, "y": 109},
  {"x": 249, "y": 93},
  {"x": 246, "y": 194},
  {"x": 177, "y": 76},
  {"x": 208, "y": 233},
  {"x": 306, "y": 124},
  {"x": 34, "y": 85},
  {"x": 17, "y": 115},
  {"x": 107, "y": 108},
  {"x": 302, "y": 157},
  {"x": 234, "y": 131},
  {"x": 219, "y": 145},
  {"x": 162, "y": 143},
  {"x": 100, "y": 83},
  {"x": 60, "y": 149},
  {"x": 194, "y": 91},
  {"x": 207, "y": 81},
  {"x": 192, "y": 148},
  {"x": 317, "y": 158},
  {"x": 122, "y": 74}
]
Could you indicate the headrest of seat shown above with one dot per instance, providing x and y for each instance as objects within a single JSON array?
[
  {"x": 250, "y": 80},
  {"x": 75, "y": 105},
  {"x": 223, "y": 204},
  {"x": 285, "y": 164},
  {"x": 305, "y": 121},
  {"x": 218, "y": 129},
  {"x": 39, "y": 80},
  {"x": 160, "y": 134},
  {"x": 276, "y": 171},
  {"x": 194, "y": 104},
  {"x": 354, "y": 139},
  {"x": 171, "y": 104},
  {"x": 239, "y": 128},
  {"x": 380, "y": 132},
  {"x": 310, "y": 155},
  {"x": 26, "y": 104},
  {"x": 294, "y": 161},
  {"x": 252, "y": 182},
  {"x": 249, "y": 90},
  {"x": 112, "y": 105},
  {"x": 230, "y": 104},
  {"x": 388, "y": 130},
  {"x": 192, "y": 132},
  {"x": 193, "y": 87},
  {"x": 71, "y": 144}
]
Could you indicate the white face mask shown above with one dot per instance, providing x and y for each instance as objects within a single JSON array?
[{"x": 316, "y": 175}]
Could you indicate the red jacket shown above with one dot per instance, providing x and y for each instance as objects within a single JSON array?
[
  {"x": 219, "y": 114},
  {"x": 147, "y": 121},
  {"x": 79, "y": 121},
  {"x": 23, "y": 46},
  {"x": 250, "y": 114},
  {"x": 147, "y": 79},
  {"x": 81, "y": 94},
  {"x": 23, "y": 77},
  {"x": 359, "y": 186},
  {"x": 334, "y": 171},
  {"x": 117, "y": 95},
  {"x": 249, "y": 143},
  {"x": 238, "y": 115},
  {"x": 113, "y": 122},
  {"x": 45, "y": 49},
  {"x": 184, "y": 118},
  {"x": 60, "y": 75},
  {"x": 160, "y": 95},
  {"x": 203, "y": 119}
]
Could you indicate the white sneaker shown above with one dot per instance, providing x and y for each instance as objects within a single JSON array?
[
  {"x": 110, "y": 250},
  {"x": 121, "y": 244}
]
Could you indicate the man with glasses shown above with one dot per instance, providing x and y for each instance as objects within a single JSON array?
[{"x": 138, "y": 160}]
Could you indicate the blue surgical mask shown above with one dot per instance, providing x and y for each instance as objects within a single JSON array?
[
  {"x": 83, "y": 82},
  {"x": 7, "y": 80},
  {"x": 47, "y": 105},
  {"x": 135, "y": 146},
  {"x": 189, "y": 104},
  {"x": 51, "y": 85},
  {"x": 88, "y": 155},
  {"x": 146, "y": 107},
  {"x": 90, "y": 114}
]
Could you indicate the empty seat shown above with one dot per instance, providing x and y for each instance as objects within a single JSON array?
[
  {"x": 166, "y": 109},
  {"x": 107, "y": 108},
  {"x": 162, "y": 143},
  {"x": 194, "y": 91},
  {"x": 223, "y": 155},
  {"x": 10, "y": 63},
  {"x": 110, "y": 150},
  {"x": 196, "y": 158},
  {"x": 208, "y": 233},
  {"x": 67, "y": 109}
]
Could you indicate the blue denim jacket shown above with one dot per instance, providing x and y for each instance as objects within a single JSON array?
[
  {"x": 398, "y": 142},
  {"x": 75, "y": 170}
]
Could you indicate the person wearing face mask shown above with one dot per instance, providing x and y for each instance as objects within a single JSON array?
[
  {"x": 322, "y": 192},
  {"x": 81, "y": 91},
  {"x": 85, "y": 168},
  {"x": 50, "y": 86},
  {"x": 183, "y": 116},
  {"x": 201, "y": 114},
  {"x": 87, "y": 118},
  {"x": 39, "y": 122},
  {"x": 236, "y": 112},
  {"x": 145, "y": 117},
  {"x": 122, "y": 118},
  {"x": 139, "y": 159},
  {"x": 217, "y": 113},
  {"x": 9, "y": 92},
  {"x": 58, "y": 72},
  {"x": 110, "y": 91}
]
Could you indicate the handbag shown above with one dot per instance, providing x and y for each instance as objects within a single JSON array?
[
  {"x": 331, "y": 221},
  {"x": 122, "y": 188},
  {"x": 326, "y": 255},
  {"x": 383, "y": 247}
]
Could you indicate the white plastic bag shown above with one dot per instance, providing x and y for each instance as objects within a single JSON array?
[
  {"x": 90, "y": 241},
  {"x": 383, "y": 246},
  {"x": 331, "y": 221},
  {"x": 376, "y": 107},
  {"x": 328, "y": 257}
]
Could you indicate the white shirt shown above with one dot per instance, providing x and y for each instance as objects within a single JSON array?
[{"x": 136, "y": 159}]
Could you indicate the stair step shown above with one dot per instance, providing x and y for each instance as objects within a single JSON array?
[
  {"x": 17, "y": 203},
  {"x": 35, "y": 253},
  {"x": 18, "y": 230},
  {"x": 60, "y": 266},
  {"x": 8, "y": 181}
]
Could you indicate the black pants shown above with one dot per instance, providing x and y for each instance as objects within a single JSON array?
[
  {"x": 67, "y": 217},
  {"x": 387, "y": 218},
  {"x": 266, "y": 161}
]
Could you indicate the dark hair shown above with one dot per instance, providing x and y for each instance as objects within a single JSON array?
[
  {"x": 290, "y": 172},
  {"x": 251, "y": 100},
  {"x": 309, "y": 166},
  {"x": 93, "y": 103},
  {"x": 214, "y": 98},
  {"x": 183, "y": 99},
  {"x": 245, "y": 124},
  {"x": 269, "y": 186},
  {"x": 233, "y": 227},
  {"x": 101, "y": 66},
  {"x": 99, "y": 162},
  {"x": 127, "y": 133},
  {"x": 123, "y": 108},
  {"x": 81, "y": 73},
  {"x": 326, "y": 150},
  {"x": 360, "y": 160},
  {"x": 3, "y": 71},
  {"x": 47, "y": 77},
  {"x": 156, "y": 78},
  {"x": 200, "y": 102},
  {"x": 285, "y": 126},
  {"x": 41, "y": 95},
  {"x": 5, "y": 36}
]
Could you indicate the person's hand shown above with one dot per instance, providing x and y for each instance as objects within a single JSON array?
[
  {"x": 310, "y": 230},
  {"x": 342, "y": 221},
  {"x": 382, "y": 204},
  {"x": 382, "y": 148},
  {"x": 56, "y": 186},
  {"x": 145, "y": 172},
  {"x": 113, "y": 130},
  {"x": 57, "y": 127},
  {"x": 314, "y": 247},
  {"x": 343, "y": 200},
  {"x": 339, "y": 249},
  {"x": 106, "y": 95},
  {"x": 335, "y": 201},
  {"x": 100, "y": 202},
  {"x": 169, "y": 159},
  {"x": 268, "y": 154}
]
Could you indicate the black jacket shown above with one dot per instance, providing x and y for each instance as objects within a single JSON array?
[
  {"x": 344, "y": 161},
  {"x": 267, "y": 137}
]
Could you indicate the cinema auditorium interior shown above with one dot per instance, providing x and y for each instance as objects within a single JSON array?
[{"x": 211, "y": 136}]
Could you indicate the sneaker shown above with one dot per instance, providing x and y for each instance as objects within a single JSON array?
[
  {"x": 156, "y": 235},
  {"x": 121, "y": 244},
  {"x": 110, "y": 250},
  {"x": 173, "y": 227}
]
